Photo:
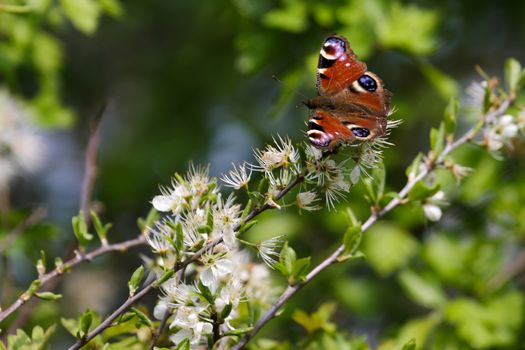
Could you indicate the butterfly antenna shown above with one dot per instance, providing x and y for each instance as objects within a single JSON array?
[{"x": 274, "y": 77}]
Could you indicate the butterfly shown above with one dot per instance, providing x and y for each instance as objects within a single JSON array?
[{"x": 352, "y": 103}]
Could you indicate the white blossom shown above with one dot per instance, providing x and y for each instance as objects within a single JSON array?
[
  {"x": 431, "y": 206},
  {"x": 273, "y": 157},
  {"x": 226, "y": 218},
  {"x": 216, "y": 267},
  {"x": 269, "y": 250},
  {"x": 306, "y": 201},
  {"x": 238, "y": 177}
]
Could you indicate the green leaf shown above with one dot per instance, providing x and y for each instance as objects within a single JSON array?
[
  {"x": 101, "y": 230},
  {"x": 423, "y": 291},
  {"x": 150, "y": 219},
  {"x": 81, "y": 230},
  {"x": 245, "y": 227},
  {"x": 134, "y": 281},
  {"x": 437, "y": 139},
  {"x": 48, "y": 296},
  {"x": 85, "y": 323},
  {"x": 352, "y": 239},
  {"x": 144, "y": 320},
  {"x": 166, "y": 276},
  {"x": 513, "y": 74},
  {"x": 287, "y": 260},
  {"x": 450, "y": 116},
  {"x": 413, "y": 170},
  {"x": 184, "y": 345},
  {"x": 84, "y": 14},
  {"x": 247, "y": 210},
  {"x": 225, "y": 312},
  {"x": 421, "y": 191},
  {"x": 300, "y": 269}
]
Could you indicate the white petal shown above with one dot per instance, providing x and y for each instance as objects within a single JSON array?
[
  {"x": 162, "y": 203},
  {"x": 180, "y": 336},
  {"x": 432, "y": 212},
  {"x": 208, "y": 278},
  {"x": 160, "y": 310}
]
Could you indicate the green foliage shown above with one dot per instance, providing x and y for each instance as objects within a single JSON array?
[
  {"x": 388, "y": 247},
  {"x": 134, "y": 281},
  {"x": 38, "y": 340}
]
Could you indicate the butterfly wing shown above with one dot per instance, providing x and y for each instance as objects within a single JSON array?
[{"x": 352, "y": 103}]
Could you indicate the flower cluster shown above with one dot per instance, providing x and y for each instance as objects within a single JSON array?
[
  {"x": 502, "y": 131},
  {"x": 223, "y": 286},
  {"x": 224, "y": 277}
]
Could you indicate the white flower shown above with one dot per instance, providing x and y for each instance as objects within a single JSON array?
[
  {"x": 501, "y": 132},
  {"x": 158, "y": 237},
  {"x": 187, "y": 319},
  {"x": 238, "y": 177},
  {"x": 231, "y": 294},
  {"x": 226, "y": 218},
  {"x": 335, "y": 189},
  {"x": 306, "y": 201},
  {"x": 171, "y": 199},
  {"x": 160, "y": 309},
  {"x": 216, "y": 267},
  {"x": 282, "y": 154},
  {"x": 431, "y": 206},
  {"x": 269, "y": 250}
]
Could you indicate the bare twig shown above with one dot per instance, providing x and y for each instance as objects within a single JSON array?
[
  {"x": 207, "y": 247},
  {"x": 90, "y": 164},
  {"x": 291, "y": 290}
]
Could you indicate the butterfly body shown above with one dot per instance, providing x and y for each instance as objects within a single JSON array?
[{"x": 352, "y": 103}]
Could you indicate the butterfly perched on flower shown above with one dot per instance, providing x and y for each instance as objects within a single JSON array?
[{"x": 351, "y": 103}]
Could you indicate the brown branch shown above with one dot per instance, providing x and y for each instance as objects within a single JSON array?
[
  {"x": 333, "y": 258},
  {"x": 90, "y": 164},
  {"x": 207, "y": 247}
]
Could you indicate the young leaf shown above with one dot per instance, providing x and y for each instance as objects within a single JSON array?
[
  {"x": 135, "y": 279},
  {"x": 225, "y": 312},
  {"x": 166, "y": 276},
  {"x": 101, "y": 230},
  {"x": 80, "y": 229},
  {"x": 85, "y": 323},
  {"x": 513, "y": 74},
  {"x": 48, "y": 296},
  {"x": 352, "y": 239},
  {"x": 184, "y": 345},
  {"x": 299, "y": 270},
  {"x": 437, "y": 139},
  {"x": 150, "y": 219},
  {"x": 422, "y": 191},
  {"x": 245, "y": 227},
  {"x": 287, "y": 259},
  {"x": 144, "y": 320}
]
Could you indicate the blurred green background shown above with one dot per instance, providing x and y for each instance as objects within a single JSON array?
[{"x": 192, "y": 80}]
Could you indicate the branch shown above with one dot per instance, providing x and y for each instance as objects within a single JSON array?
[
  {"x": 60, "y": 270},
  {"x": 90, "y": 164},
  {"x": 292, "y": 289},
  {"x": 207, "y": 247}
]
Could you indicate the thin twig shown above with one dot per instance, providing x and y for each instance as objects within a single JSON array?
[
  {"x": 207, "y": 247},
  {"x": 291, "y": 290},
  {"x": 77, "y": 259},
  {"x": 90, "y": 164}
]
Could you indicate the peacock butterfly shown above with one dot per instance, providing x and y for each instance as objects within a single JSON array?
[{"x": 351, "y": 103}]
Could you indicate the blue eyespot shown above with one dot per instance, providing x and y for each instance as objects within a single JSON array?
[
  {"x": 361, "y": 132},
  {"x": 368, "y": 83}
]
